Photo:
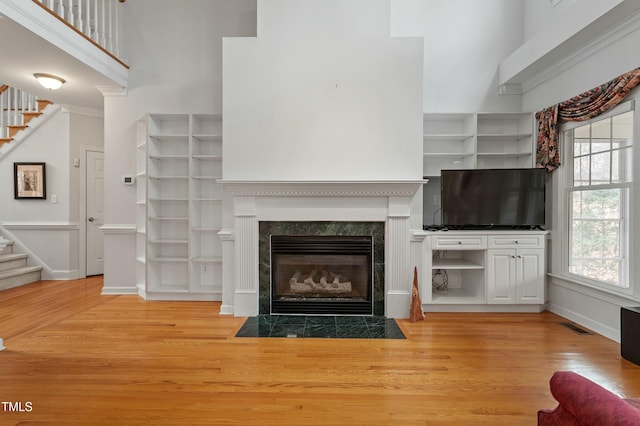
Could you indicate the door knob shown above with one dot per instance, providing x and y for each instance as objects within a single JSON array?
[{"x": 91, "y": 219}]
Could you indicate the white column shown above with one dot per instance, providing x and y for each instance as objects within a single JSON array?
[
  {"x": 398, "y": 270},
  {"x": 228, "y": 271},
  {"x": 246, "y": 258}
]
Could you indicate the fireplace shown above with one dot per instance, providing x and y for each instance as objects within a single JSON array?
[{"x": 321, "y": 275}]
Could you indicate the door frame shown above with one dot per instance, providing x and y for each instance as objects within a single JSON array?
[{"x": 82, "y": 204}]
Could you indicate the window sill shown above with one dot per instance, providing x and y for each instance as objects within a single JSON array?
[{"x": 616, "y": 298}]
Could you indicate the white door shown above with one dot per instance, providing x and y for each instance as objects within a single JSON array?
[{"x": 95, "y": 212}]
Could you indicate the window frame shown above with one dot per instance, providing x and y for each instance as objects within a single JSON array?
[{"x": 565, "y": 188}]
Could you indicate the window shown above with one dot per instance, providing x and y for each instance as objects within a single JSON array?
[{"x": 598, "y": 197}]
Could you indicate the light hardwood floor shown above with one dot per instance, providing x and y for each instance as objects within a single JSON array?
[{"x": 81, "y": 358}]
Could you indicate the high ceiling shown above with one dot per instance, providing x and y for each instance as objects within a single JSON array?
[{"x": 24, "y": 53}]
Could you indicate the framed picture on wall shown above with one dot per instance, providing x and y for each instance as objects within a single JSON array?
[{"x": 29, "y": 181}]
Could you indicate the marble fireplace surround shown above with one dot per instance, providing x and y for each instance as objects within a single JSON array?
[{"x": 386, "y": 202}]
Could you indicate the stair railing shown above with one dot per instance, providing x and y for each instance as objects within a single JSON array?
[
  {"x": 15, "y": 104},
  {"x": 97, "y": 20}
]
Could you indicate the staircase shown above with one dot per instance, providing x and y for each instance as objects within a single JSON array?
[
  {"x": 17, "y": 109},
  {"x": 14, "y": 271}
]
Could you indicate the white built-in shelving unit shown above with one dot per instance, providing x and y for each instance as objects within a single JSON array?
[
  {"x": 477, "y": 140},
  {"x": 179, "y": 206}
]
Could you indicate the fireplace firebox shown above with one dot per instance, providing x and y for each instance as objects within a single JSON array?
[{"x": 321, "y": 275}]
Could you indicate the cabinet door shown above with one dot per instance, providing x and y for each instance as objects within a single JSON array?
[
  {"x": 530, "y": 276},
  {"x": 501, "y": 276}
]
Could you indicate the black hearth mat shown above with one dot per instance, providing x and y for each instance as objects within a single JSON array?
[{"x": 336, "y": 327}]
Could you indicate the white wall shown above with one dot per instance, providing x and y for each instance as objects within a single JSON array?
[
  {"x": 323, "y": 93},
  {"x": 175, "y": 54},
  {"x": 464, "y": 42},
  {"x": 539, "y": 13},
  {"x": 49, "y": 231}
]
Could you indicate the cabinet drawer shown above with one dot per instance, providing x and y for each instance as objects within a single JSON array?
[
  {"x": 463, "y": 242},
  {"x": 516, "y": 241}
]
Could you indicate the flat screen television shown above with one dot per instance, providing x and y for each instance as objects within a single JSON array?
[{"x": 493, "y": 198}]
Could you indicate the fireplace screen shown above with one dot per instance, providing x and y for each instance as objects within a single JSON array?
[{"x": 329, "y": 275}]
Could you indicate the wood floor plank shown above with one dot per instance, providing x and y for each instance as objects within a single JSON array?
[{"x": 82, "y": 358}]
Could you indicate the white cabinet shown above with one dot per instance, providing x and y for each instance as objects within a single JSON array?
[
  {"x": 515, "y": 269},
  {"x": 458, "y": 269},
  {"x": 180, "y": 206},
  {"x": 490, "y": 268},
  {"x": 477, "y": 140}
]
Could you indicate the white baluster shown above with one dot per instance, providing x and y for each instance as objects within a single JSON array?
[
  {"x": 71, "y": 19},
  {"x": 109, "y": 45},
  {"x": 79, "y": 17},
  {"x": 95, "y": 35},
  {"x": 14, "y": 106},
  {"x": 117, "y": 31},
  {"x": 3, "y": 123},
  {"x": 103, "y": 38}
]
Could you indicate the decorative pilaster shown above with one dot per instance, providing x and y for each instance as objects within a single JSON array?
[
  {"x": 246, "y": 258},
  {"x": 398, "y": 277},
  {"x": 228, "y": 260}
]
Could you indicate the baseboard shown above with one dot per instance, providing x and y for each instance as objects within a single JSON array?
[
  {"x": 599, "y": 328},
  {"x": 117, "y": 291}
]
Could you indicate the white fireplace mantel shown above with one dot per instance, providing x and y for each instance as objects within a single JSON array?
[
  {"x": 324, "y": 188},
  {"x": 387, "y": 201}
]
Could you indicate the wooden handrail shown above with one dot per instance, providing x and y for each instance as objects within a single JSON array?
[{"x": 3, "y": 88}]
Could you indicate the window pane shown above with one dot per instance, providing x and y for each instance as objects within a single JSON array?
[
  {"x": 608, "y": 271},
  {"x": 623, "y": 126},
  {"x": 601, "y": 129},
  {"x": 621, "y": 166},
  {"x": 581, "y": 171},
  {"x": 599, "y": 204},
  {"x": 595, "y": 235},
  {"x": 601, "y": 168},
  {"x": 599, "y": 146},
  {"x": 581, "y": 147},
  {"x": 582, "y": 132}
]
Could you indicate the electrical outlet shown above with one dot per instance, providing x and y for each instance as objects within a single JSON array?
[{"x": 437, "y": 200}]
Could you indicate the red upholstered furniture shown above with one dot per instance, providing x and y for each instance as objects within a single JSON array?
[{"x": 582, "y": 402}]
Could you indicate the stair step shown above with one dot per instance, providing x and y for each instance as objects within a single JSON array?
[
  {"x": 43, "y": 103},
  {"x": 12, "y": 261},
  {"x": 13, "y": 130},
  {"x": 5, "y": 140},
  {"x": 30, "y": 115},
  {"x": 8, "y": 249},
  {"x": 19, "y": 276}
]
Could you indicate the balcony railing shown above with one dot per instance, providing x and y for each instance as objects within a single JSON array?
[{"x": 97, "y": 20}]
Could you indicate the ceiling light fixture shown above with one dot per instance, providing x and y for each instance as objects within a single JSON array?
[{"x": 49, "y": 81}]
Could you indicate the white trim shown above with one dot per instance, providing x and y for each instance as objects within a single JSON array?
[
  {"x": 400, "y": 188},
  {"x": 114, "y": 229},
  {"x": 116, "y": 291},
  {"x": 585, "y": 321},
  {"x": 34, "y": 124},
  {"x": 599, "y": 293},
  {"x": 628, "y": 26},
  {"x": 40, "y": 226},
  {"x": 89, "y": 112}
]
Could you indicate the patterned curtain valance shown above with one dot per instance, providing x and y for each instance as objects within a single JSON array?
[{"x": 579, "y": 108}]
